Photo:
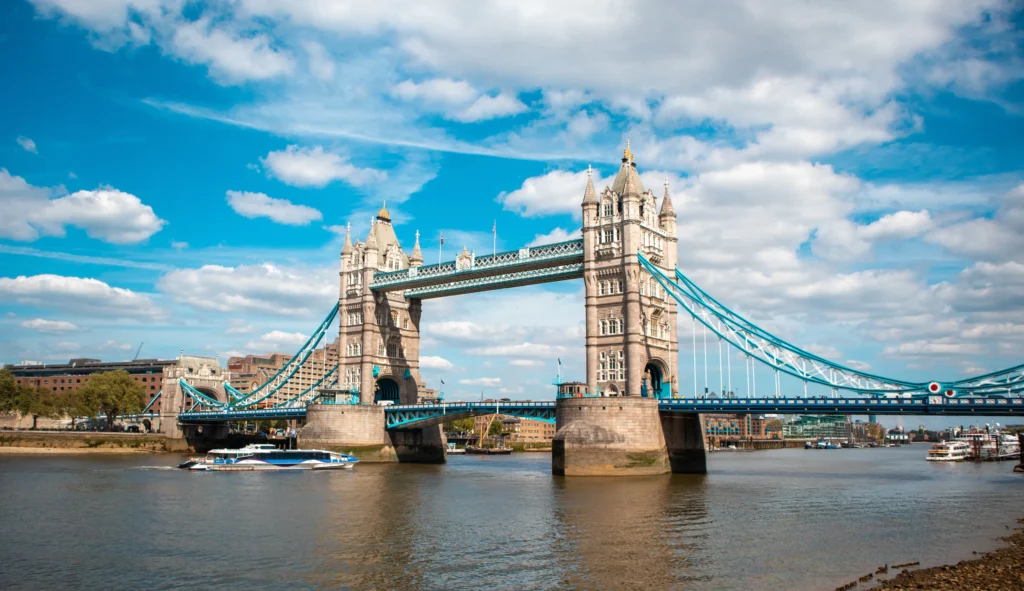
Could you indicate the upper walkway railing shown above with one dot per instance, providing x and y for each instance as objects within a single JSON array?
[{"x": 523, "y": 259}]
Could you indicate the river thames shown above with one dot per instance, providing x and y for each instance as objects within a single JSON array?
[{"x": 783, "y": 519}]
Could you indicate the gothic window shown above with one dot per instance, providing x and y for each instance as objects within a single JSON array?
[
  {"x": 380, "y": 348},
  {"x": 405, "y": 323},
  {"x": 394, "y": 318},
  {"x": 622, "y": 366},
  {"x": 615, "y": 234},
  {"x": 618, "y": 286},
  {"x": 608, "y": 208},
  {"x": 393, "y": 349},
  {"x": 380, "y": 318},
  {"x": 604, "y": 327},
  {"x": 643, "y": 287},
  {"x": 600, "y": 288},
  {"x": 602, "y": 368}
]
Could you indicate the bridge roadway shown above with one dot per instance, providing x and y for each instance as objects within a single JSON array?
[{"x": 406, "y": 415}]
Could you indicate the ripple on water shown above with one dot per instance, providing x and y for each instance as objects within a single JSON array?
[{"x": 790, "y": 519}]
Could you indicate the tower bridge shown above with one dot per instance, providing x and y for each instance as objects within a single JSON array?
[{"x": 631, "y": 419}]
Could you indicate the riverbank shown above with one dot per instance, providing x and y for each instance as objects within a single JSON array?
[
  {"x": 12, "y": 451},
  {"x": 84, "y": 442},
  {"x": 999, "y": 570}
]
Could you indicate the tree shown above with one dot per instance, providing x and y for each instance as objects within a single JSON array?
[
  {"x": 37, "y": 402},
  {"x": 461, "y": 425},
  {"x": 8, "y": 391},
  {"x": 495, "y": 428},
  {"x": 70, "y": 403},
  {"x": 112, "y": 393}
]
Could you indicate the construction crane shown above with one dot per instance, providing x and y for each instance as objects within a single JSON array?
[{"x": 139, "y": 350}]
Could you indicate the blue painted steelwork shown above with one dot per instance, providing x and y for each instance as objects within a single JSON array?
[
  {"x": 421, "y": 415},
  {"x": 511, "y": 279},
  {"x": 150, "y": 405},
  {"x": 502, "y": 263},
  {"x": 762, "y": 346},
  {"x": 200, "y": 398},
  {"x": 930, "y": 405},
  {"x": 225, "y": 415},
  {"x": 279, "y": 379}
]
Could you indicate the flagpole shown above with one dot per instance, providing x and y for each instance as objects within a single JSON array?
[
  {"x": 494, "y": 231},
  {"x": 439, "y": 246}
]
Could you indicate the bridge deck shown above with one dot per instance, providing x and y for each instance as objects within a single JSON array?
[
  {"x": 423, "y": 414},
  {"x": 551, "y": 262}
]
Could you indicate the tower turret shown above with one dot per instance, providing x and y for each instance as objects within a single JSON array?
[{"x": 416, "y": 258}]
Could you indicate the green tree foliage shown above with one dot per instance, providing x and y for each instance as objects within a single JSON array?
[
  {"x": 37, "y": 402},
  {"x": 461, "y": 426},
  {"x": 8, "y": 391},
  {"x": 70, "y": 403},
  {"x": 111, "y": 393},
  {"x": 494, "y": 429}
]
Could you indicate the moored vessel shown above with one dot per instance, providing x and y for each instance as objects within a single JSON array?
[
  {"x": 949, "y": 451},
  {"x": 487, "y": 451},
  {"x": 266, "y": 457}
]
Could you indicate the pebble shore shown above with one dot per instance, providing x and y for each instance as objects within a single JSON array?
[{"x": 999, "y": 570}]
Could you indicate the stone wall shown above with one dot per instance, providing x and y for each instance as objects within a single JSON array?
[
  {"x": 608, "y": 437},
  {"x": 74, "y": 440},
  {"x": 684, "y": 437}
]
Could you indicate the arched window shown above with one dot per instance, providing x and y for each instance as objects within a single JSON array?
[
  {"x": 380, "y": 348},
  {"x": 622, "y": 366},
  {"x": 602, "y": 368}
]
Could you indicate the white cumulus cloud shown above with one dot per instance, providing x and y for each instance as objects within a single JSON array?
[
  {"x": 51, "y": 326},
  {"x": 84, "y": 296},
  {"x": 282, "y": 211},
  {"x": 106, "y": 213},
  {"x": 263, "y": 288},
  {"x": 316, "y": 167},
  {"x": 27, "y": 144},
  {"x": 434, "y": 362}
]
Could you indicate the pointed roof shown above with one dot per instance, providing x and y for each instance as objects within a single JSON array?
[
  {"x": 383, "y": 214},
  {"x": 590, "y": 196},
  {"x": 417, "y": 255},
  {"x": 347, "y": 248},
  {"x": 627, "y": 175},
  {"x": 371, "y": 240},
  {"x": 666, "y": 203}
]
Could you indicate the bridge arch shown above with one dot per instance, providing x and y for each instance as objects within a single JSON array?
[
  {"x": 387, "y": 389},
  {"x": 657, "y": 383}
]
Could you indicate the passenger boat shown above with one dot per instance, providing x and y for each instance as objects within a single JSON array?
[
  {"x": 949, "y": 451},
  {"x": 263, "y": 456},
  {"x": 455, "y": 450}
]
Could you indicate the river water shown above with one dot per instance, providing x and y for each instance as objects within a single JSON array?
[{"x": 783, "y": 519}]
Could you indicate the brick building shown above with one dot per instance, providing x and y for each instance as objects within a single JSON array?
[
  {"x": 62, "y": 377},
  {"x": 251, "y": 371}
]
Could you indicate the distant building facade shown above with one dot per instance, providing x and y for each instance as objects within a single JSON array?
[
  {"x": 518, "y": 429},
  {"x": 63, "y": 377},
  {"x": 251, "y": 371},
  {"x": 819, "y": 427}
]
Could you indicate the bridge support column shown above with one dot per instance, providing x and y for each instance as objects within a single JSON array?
[
  {"x": 358, "y": 429},
  {"x": 608, "y": 437},
  {"x": 684, "y": 437}
]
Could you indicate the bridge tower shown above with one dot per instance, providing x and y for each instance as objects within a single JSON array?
[
  {"x": 379, "y": 334},
  {"x": 630, "y": 319},
  {"x": 630, "y": 342}
]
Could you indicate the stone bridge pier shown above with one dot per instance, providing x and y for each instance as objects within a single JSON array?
[
  {"x": 625, "y": 436},
  {"x": 203, "y": 374},
  {"x": 359, "y": 429}
]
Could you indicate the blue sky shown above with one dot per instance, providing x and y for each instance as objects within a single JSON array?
[{"x": 180, "y": 173}]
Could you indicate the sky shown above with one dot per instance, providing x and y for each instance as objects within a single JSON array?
[{"x": 849, "y": 175}]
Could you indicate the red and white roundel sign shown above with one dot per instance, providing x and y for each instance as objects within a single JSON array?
[
  {"x": 950, "y": 393},
  {"x": 934, "y": 387}
]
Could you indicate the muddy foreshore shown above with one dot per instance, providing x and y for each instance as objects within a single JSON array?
[{"x": 999, "y": 570}]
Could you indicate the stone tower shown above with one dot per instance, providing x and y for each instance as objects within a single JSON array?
[
  {"x": 379, "y": 342},
  {"x": 631, "y": 320}
]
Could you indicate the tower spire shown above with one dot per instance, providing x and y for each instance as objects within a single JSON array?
[
  {"x": 666, "y": 204},
  {"x": 347, "y": 248},
  {"x": 590, "y": 195},
  {"x": 416, "y": 258}
]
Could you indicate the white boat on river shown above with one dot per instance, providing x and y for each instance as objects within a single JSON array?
[{"x": 265, "y": 457}]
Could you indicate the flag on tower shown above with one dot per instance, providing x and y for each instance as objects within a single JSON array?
[
  {"x": 559, "y": 360},
  {"x": 442, "y": 238},
  {"x": 494, "y": 228},
  {"x": 442, "y": 381}
]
